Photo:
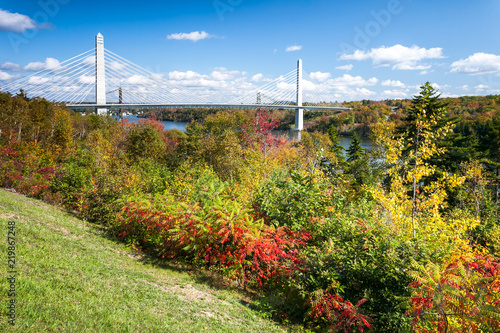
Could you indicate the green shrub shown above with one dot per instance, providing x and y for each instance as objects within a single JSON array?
[{"x": 293, "y": 199}]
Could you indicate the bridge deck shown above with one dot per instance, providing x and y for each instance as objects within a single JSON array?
[{"x": 236, "y": 106}]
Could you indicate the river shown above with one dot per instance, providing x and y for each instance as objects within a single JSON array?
[{"x": 168, "y": 125}]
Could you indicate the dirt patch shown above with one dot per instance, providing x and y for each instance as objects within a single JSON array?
[
  {"x": 6, "y": 216},
  {"x": 187, "y": 293}
]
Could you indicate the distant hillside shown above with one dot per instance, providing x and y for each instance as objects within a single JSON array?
[{"x": 363, "y": 114}]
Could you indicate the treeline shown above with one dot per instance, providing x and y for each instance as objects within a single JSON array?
[
  {"x": 183, "y": 115},
  {"x": 403, "y": 237}
]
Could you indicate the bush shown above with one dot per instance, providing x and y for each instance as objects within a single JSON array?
[
  {"x": 293, "y": 200},
  {"x": 220, "y": 235}
]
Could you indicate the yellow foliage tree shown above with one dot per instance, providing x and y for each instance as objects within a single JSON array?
[{"x": 412, "y": 205}]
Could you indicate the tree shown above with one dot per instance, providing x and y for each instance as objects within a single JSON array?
[
  {"x": 143, "y": 140},
  {"x": 335, "y": 147},
  {"x": 257, "y": 131},
  {"x": 424, "y": 125},
  {"x": 355, "y": 150},
  {"x": 491, "y": 146},
  {"x": 410, "y": 199}
]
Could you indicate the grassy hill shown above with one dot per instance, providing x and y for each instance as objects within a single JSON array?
[{"x": 72, "y": 278}]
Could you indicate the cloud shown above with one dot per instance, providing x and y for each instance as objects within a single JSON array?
[
  {"x": 293, "y": 48},
  {"x": 138, "y": 79},
  {"x": 481, "y": 87},
  {"x": 10, "y": 66},
  {"x": 86, "y": 79},
  {"x": 257, "y": 77},
  {"x": 5, "y": 76},
  {"x": 193, "y": 36},
  {"x": 345, "y": 67},
  {"x": 393, "y": 83},
  {"x": 320, "y": 76},
  {"x": 178, "y": 75},
  {"x": 396, "y": 93},
  {"x": 364, "y": 92},
  {"x": 285, "y": 86},
  {"x": 398, "y": 56},
  {"x": 348, "y": 80},
  {"x": 38, "y": 80},
  {"x": 49, "y": 64},
  {"x": 478, "y": 63},
  {"x": 114, "y": 65},
  {"x": 15, "y": 22},
  {"x": 222, "y": 74}
]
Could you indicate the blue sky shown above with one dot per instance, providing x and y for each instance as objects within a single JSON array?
[{"x": 352, "y": 49}]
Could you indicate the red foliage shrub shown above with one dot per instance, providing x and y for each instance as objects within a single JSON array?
[{"x": 334, "y": 309}]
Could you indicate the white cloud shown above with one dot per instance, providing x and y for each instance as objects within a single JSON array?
[
  {"x": 10, "y": 66},
  {"x": 38, "y": 80},
  {"x": 89, "y": 61},
  {"x": 349, "y": 80},
  {"x": 115, "y": 66},
  {"x": 257, "y": 77},
  {"x": 478, "y": 63},
  {"x": 465, "y": 87},
  {"x": 5, "y": 76},
  {"x": 345, "y": 67},
  {"x": 285, "y": 86},
  {"x": 294, "y": 48},
  {"x": 193, "y": 36},
  {"x": 365, "y": 92},
  {"x": 481, "y": 87},
  {"x": 178, "y": 75},
  {"x": 393, "y": 83},
  {"x": 15, "y": 22},
  {"x": 320, "y": 76},
  {"x": 398, "y": 56},
  {"x": 86, "y": 79},
  {"x": 222, "y": 74},
  {"x": 395, "y": 93},
  {"x": 138, "y": 79},
  {"x": 49, "y": 64},
  {"x": 308, "y": 86}
]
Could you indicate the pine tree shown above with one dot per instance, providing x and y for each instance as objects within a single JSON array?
[
  {"x": 336, "y": 148},
  {"x": 355, "y": 150}
]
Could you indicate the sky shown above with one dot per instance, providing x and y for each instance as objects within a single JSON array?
[{"x": 353, "y": 49}]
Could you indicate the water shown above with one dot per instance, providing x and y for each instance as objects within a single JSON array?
[
  {"x": 168, "y": 125},
  {"x": 344, "y": 141}
]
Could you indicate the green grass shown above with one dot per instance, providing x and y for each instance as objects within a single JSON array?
[{"x": 72, "y": 277}]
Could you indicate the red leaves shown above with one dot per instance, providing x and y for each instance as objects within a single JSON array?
[
  {"x": 9, "y": 152},
  {"x": 258, "y": 132},
  {"x": 459, "y": 297},
  {"x": 344, "y": 316},
  {"x": 232, "y": 244}
]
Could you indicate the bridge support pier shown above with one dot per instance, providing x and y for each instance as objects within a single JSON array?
[
  {"x": 299, "y": 113},
  {"x": 100, "y": 74}
]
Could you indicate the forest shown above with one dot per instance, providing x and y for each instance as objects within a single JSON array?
[{"x": 402, "y": 238}]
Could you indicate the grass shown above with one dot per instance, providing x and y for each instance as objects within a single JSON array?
[{"x": 72, "y": 277}]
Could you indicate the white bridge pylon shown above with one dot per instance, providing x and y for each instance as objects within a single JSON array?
[{"x": 88, "y": 80}]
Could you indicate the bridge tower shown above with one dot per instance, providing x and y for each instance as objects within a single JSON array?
[
  {"x": 299, "y": 113},
  {"x": 100, "y": 74}
]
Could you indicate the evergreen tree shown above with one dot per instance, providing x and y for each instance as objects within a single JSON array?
[
  {"x": 424, "y": 126},
  {"x": 491, "y": 146},
  {"x": 355, "y": 150},
  {"x": 357, "y": 164},
  {"x": 335, "y": 147}
]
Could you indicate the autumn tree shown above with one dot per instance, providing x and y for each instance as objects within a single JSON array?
[{"x": 411, "y": 202}]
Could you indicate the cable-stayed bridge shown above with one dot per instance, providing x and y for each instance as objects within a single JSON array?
[{"x": 101, "y": 80}]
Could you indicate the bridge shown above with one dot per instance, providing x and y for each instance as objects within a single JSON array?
[{"x": 97, "y": 79}]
